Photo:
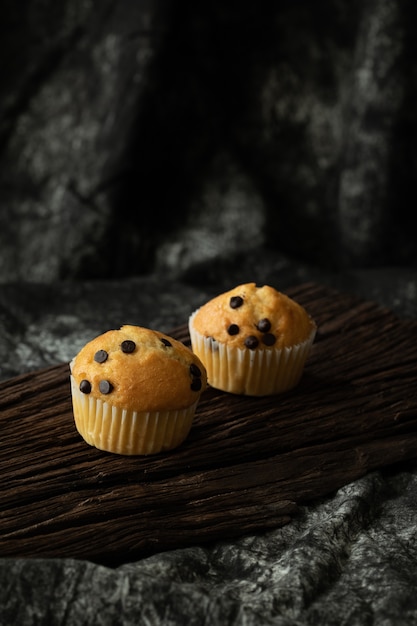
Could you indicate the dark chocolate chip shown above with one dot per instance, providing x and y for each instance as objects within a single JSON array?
[
  {"x": 195, "y": 370},
  {"x": 251, "y": 342},
  {"x": 128, "y": 346},
  {"x": 105, "y": 386},
  {"x": 264, "y": 325},
  {"x": 101, "y": 356},
  {"x": 166, "y": 343},
  {"x": 236, "y": 302},
  {"x": 233, "y": 329},
  {"x": 196, "y": 384},
  {"x": 268, "y": 339},
  {"x": 85, "y": 386}
]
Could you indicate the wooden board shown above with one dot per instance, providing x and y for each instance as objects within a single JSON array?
[{"x": 246, "y": 465}]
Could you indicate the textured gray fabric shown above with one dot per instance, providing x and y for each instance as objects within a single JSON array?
[
  {"x": 46, "y": 324},
  {"x": 137, "y": 135},
  {"x": 72, "y": 94},
  {"x": 348, "y": 560}
]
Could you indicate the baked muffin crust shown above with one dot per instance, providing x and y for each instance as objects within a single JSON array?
[
  {"x": 139, "y": 369},
  {"x": 255, "y": 318}
]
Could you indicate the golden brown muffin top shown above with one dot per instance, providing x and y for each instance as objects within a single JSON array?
[
  {"x": 254, "y": 317},
  {"x": 139, "y": 369}
]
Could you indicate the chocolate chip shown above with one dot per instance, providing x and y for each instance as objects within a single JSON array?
[
  {"x": 264, "y": 325},
  {"x": 105, "y": 386},
  {"x": 85, "y": 386},
  {"x": 196, "y": 384},
  {"x": 101, "y": 356},
  {"x": 128, "y": 346},
  {"x": 251, "y": 342},
  {"x": 195, "y": 370},
  {"x": 268, "y": 339},
  {"x": 233, "y": 329},
  {"x": 166, "y": 343},
  {"x": 236, "y": 302}
]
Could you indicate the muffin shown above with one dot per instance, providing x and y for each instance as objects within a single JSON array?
[
  {"x": 135, "y": 391},
  {"x": 252, "y": 340}
]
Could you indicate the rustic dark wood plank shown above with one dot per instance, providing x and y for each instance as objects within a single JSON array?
[{"x": 247, "y": 464}]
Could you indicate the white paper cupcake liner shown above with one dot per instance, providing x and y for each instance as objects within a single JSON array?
[
  {"x": 259, "y": 372},
  {"x": 122, "y": 431}
]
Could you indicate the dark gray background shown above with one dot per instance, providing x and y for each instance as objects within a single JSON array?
[{"x": 142, "y": 134}]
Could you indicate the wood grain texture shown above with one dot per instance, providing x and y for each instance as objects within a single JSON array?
[{"x": 246, "y": 465}]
